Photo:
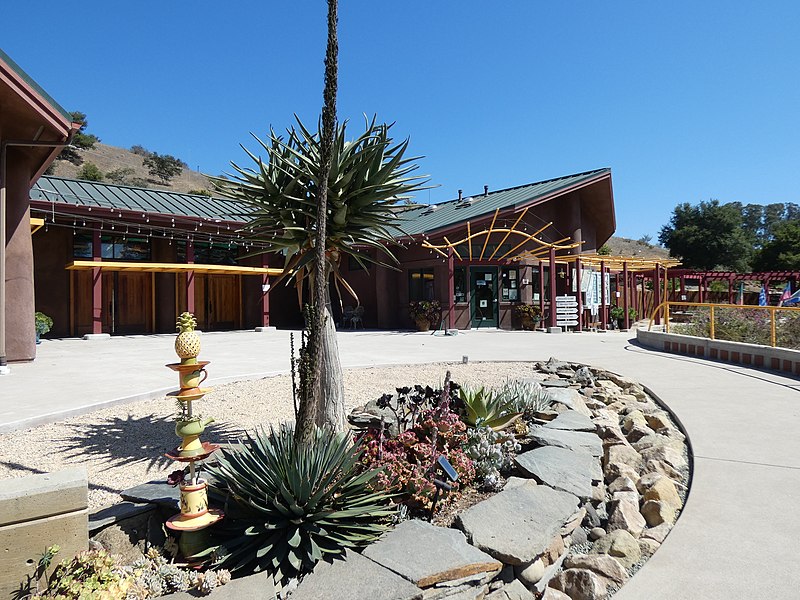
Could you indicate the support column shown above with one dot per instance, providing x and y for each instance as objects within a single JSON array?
[
  {"x": 627, "y": 318},
  {"x": 541, "y": 289},
  {"x": 97, "y": 283},
  {"x": 190, "y": 307},
  {"x": 265, "y": 285},
  {"x": 578, "y": 288},
  {"x": 603, "y": 299},
  {"x": 700, "y": 293},
  {"x": 683, "y": 288},
  {"x": 552, "y": 278},
  {"x": 451, "y": 290},
  {"x": 656, "y": 292},
  {"x": 730, "y": 289}
]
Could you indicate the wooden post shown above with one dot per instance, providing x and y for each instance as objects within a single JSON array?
[
  {"x": 541, "y": 289},
  {"x": 552, "y": 286},
  {"x": 97, "y": 284},
  {"x": 656, "y": 293},
  {"x": 627, "y": 319},
  {"x": 683, "y": 287},
  {"x": 578, "y": 288},
  {"x": 700, "y": 281},
  {"x": 264, "y": 293},
  {"x": 451, "y": 289},
  {"x": 730, "y": 289},
  {"x": 190, "y": 278},
  {"x": 603, "y": 299}
]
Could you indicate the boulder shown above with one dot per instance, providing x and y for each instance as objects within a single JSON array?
[
  {"x": 514, "y": 481},
  {"x": 621, "y": 545},
  {"x": 517, "y": 525},
  {"x": 657, "y": 420},
  {"x": 646, "y": 481},
  {"x": 624, "y": 514},
  {"x": 632, "y": 497},
  {"x": 592, "y": 519},
  {"x": 583, "y": 376},
  {"x": 616, "y": 470},
  {"x": 561, "y": 469},
  {"x": 555, "y": 550},
  {"x": 569, "y": 398},
  {"x": 623, "y": 455},
  {"x": 634, "y": 419},
  {"x": 648, "y": 546},
  {"x": 657, "y": 440},
  {"x": 664, "y": 490},
  {"x": 595, "y": 533},
  {"x": 656, "y": 513},
  {"x": 657, "y": 533},
  {"x": 426, "y": 555},
  {"x": 622, "y": 484},
  {"x": 574, "y": 522},
  {"x": 572, "y": 420},
  {"x": 669, "y": 454},
  {"x": 580, "y": 584},
  {"x": 512, "y": 591},
  {"x": 532, "y": 572},
  {"x": 578, "y": 537},
  {"x": 605, "y": 566},
  {"x": 554, "y": 594},
  {"x": 571, "y": 440},
  {"x": 659, "y": 466}
]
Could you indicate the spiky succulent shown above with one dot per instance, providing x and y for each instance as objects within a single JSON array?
[
  {"x": 299, "y": 502},
  {"x": 526, "y": 397},
  {"x": 486, "y": 408}
]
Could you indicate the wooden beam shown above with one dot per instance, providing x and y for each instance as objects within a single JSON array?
[
  {"x": 489, "y": 233},
  {"x": 146, "y": 267}
]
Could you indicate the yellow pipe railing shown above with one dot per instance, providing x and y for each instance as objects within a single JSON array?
[{"x": 664, "y": 308}]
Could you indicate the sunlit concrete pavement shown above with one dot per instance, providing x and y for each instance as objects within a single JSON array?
[{"x": 737, "y": 537}]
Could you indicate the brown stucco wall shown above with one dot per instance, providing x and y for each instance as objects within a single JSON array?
[{"x": 52, "y": 250}]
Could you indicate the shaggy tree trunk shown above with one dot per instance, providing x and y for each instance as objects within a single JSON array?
[{"x": 326, "y": 377}]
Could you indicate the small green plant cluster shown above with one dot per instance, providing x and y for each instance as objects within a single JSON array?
[
  {"x": 735, "y": 325},
  {"x": 154, "y": 576},
  {"x": 425, "y": 311},
  {"x": 525, "y": 397},
  {"x": 492, "y": 452},
  {"x": 487, "y": 408},
  {"x": 43, "y": 323}
]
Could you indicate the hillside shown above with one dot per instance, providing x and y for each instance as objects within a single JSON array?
[
  {"x": 624, "y": 247},
  {"x": 107, "y": 158}
]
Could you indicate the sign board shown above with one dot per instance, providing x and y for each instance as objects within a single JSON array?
[
  {"x": 572, "y": 323},
  {"x": 566, "y": 310}
]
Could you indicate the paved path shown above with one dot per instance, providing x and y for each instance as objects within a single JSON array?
[{"x": 738, "y": 536}]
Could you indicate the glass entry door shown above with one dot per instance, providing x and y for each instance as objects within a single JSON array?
[{"x": 483, "y": 297}]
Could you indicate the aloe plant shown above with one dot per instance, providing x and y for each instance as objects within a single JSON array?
[
  {"x": 299, "y": 502},
  {"x": 526, "y": 397},
  {"x": 486, "y": 408}
]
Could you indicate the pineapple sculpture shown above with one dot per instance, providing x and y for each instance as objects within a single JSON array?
[{"x": 187, "y": 344}]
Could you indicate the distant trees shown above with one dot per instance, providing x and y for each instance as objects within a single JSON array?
[
  {"x": 604, "y": 250},
  {"x": 734, "y": 236},
  {"x": 163, "y": 166},
  {"x": 90, "y": 172},
  {"x": 80, "y": 140},
  {"x": 121, "y": 176}
]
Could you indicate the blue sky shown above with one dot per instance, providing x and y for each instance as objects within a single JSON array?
[{"x": 685, "y": 101}]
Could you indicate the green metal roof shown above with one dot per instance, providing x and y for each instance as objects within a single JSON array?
[
  {"x": 145, "y": 200},
  {"x": 415, "y": 221},
  {"x": 39, "y": 89},
  {"x": 429, "y": 218}
]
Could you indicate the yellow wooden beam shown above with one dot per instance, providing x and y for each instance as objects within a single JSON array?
[
  {"x": 36, "y": 224},
  {"x": 489, "y": 233},
  {"x": 146, "y": 267}
]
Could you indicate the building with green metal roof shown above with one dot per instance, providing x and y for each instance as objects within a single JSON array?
[{"x": 118, "y": 259}]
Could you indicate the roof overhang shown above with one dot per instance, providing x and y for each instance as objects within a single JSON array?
[{"x": 146, "y": 267}]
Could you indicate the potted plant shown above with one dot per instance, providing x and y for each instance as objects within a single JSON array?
[
  {"x": 632, "y": 314},
  {"x": 529, "y": 315},
  {"x": 617, "y": 314},
  {"x": 43, "y": 324},
  {"x": 425, "y": 313}
]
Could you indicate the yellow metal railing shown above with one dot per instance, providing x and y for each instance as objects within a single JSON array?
[{"x": 663, "y": 310}]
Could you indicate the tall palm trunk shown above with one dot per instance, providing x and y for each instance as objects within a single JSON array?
[{"x": 326, "y": 406}]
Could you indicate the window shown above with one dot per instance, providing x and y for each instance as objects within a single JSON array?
[
  {"x": 420, "y": 285},
  {"x": 460, "y": 284},
  {"x": 112, "y": 247},
  {"x": 509, "y": 284},
  {"x": 209, "y": 254}
]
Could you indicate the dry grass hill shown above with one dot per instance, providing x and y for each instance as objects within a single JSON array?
[
  {"x": 624, "y": 247},
  {"x": 108, "y": 158}
]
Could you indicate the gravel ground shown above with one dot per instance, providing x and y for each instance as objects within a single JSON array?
[{"x": 123, "y": 446}]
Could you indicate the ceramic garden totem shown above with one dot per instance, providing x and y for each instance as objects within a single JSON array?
[{"x": 195, "y": 514}]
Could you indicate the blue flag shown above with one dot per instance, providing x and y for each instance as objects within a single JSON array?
[{"x": 762, "y": 296}]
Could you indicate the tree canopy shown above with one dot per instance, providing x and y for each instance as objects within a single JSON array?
[
  {"x": 163, "y": 166},
  {"x": 782, "y": 252},
  {"x": 708, "y": 236},
  {"x": 80, "y": 140}
]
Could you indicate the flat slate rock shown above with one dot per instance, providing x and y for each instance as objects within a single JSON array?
[
  {"x": 518, "y": 524},
  {"x": 354, "y": 578},
  {"x": 157, "y": 492},
  {"x": 561, "y": 469},
  {"x": 555, "y": 383},
  {"x": 571, "y": 398},
  {"x": 426, "y": 555},
  {"x": 258, "y": 586},
  {"x": 572, "y": 420},
  {"x": 579, "y": 441},
  {"x": 116, "y": 512}
]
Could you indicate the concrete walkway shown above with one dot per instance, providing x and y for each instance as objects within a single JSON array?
[{"x": 737, "y": 537}]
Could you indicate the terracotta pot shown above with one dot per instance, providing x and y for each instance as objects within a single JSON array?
[{"x": 423, "y": 324}]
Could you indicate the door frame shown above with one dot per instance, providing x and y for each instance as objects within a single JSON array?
[{"x": 473, "y": 307}]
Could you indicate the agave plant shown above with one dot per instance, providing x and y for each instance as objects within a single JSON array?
[
  {"x": 486, "y": 408},
  {"x": 299, "y": 502},
  {"x": 526, "y": 397}
]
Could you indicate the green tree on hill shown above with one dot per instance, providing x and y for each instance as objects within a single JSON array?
[
  {"x": 782, "y": 252},
  {"x": 89, "y": 172},
  {"x": 80, "y": 140},
  {"x": 163, "y": 166}
]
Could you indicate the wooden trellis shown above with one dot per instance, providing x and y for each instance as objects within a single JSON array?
[{"x": 542, "y": 247}]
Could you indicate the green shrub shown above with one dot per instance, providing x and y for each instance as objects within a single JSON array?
[
  {"x": 43, "y": 323},
  {"x": 89, "y": 172},
  {"x": 297, "y": 502}
]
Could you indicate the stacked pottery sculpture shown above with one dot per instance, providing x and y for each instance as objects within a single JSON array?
[{"x": 195, "y": 514}]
